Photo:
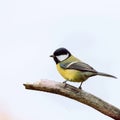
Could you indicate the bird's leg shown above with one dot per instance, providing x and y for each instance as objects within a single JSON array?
[
  {"x": 65, "y": 83},
  {"x": 80, "y": 87}
]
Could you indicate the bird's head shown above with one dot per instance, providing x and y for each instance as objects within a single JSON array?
[{"x": 60, "y": 54}]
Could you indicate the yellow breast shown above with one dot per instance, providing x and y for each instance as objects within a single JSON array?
[{"x": 71, "y": 75}]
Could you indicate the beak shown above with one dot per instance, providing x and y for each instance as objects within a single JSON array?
[{"x": 52, "y": 56}]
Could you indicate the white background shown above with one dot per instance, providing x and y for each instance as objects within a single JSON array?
[{"x": 30, "y": 30}]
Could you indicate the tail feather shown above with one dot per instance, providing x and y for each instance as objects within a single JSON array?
[{"x": 106, "y": 75}]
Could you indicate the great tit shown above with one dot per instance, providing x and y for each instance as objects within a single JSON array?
[{"x": 73, "y": 69}]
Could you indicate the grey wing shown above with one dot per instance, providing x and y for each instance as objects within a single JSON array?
[{"x": 77, "y": 65}]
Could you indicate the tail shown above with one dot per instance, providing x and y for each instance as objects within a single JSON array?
[{"x": 107, "y": 75}]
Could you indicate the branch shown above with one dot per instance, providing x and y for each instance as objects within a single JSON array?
[{"x": 76, "y": 94}]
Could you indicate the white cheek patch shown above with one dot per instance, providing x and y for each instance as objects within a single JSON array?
[{"x": 62, "y": 57}]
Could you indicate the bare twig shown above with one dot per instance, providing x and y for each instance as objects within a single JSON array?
[{"x": 76, "y": 94}]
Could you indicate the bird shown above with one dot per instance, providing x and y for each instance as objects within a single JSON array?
[{"x": 73, "y": 69}]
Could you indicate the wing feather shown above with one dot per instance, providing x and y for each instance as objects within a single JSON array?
[{"x": 78, "y": 65}]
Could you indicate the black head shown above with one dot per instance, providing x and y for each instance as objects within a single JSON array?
[{"x": 60, "y": 54}]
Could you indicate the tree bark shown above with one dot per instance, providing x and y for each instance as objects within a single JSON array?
[{"x": 76, "y": 94}]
